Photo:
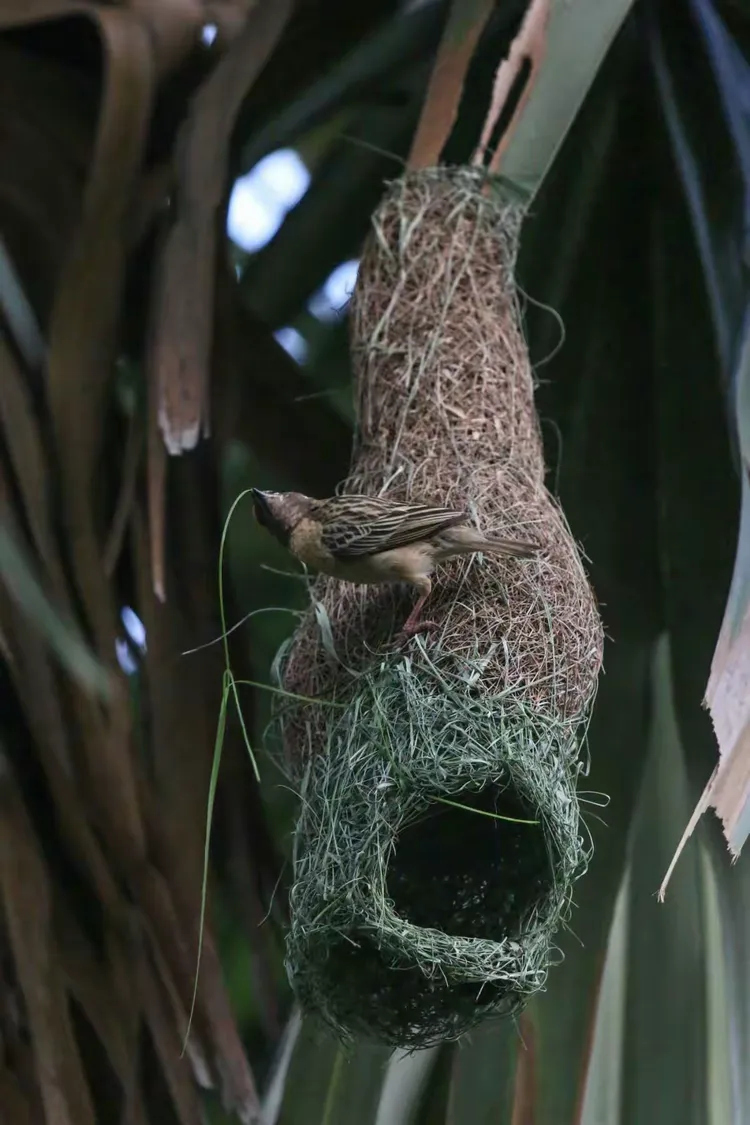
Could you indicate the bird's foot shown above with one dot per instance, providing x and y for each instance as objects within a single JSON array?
[{"x": 413, "y": 628}]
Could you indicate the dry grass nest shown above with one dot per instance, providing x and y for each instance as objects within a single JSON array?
[{"x": 423, "y": 899}]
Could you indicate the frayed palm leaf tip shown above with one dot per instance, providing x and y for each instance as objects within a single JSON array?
[{"x": 440, "y": 835}]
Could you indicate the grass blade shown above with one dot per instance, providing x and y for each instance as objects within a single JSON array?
[{"x": 221, "y": 727}]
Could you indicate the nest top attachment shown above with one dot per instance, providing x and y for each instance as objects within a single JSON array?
[{"x": 439, "y": 836}]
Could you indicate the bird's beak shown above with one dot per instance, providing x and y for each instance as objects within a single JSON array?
[{"x": 260, "y": 502}]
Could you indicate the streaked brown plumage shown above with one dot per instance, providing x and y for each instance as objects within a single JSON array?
[{"x": 370, "y": 540}]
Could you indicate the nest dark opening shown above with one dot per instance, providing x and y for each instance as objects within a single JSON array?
[{"x": 469, "y": 873}]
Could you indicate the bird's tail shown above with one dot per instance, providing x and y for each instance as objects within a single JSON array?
[
  {"x": 513, "y": 548},
  {"x": 466, "y": 540}
]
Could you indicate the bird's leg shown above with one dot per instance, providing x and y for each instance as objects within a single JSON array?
[{"x": 413, "y": 625}]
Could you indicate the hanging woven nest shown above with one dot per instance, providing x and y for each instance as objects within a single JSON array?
[{"x": 440, "y": 834}]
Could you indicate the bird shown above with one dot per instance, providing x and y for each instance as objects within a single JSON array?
[{"x": 374, "y": 540}]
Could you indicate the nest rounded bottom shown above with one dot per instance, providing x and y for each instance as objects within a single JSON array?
[
  {"x": 464, "y": 872},
  {"x": 435, "y": 853}
]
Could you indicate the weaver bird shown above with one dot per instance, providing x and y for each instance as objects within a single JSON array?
[{"x": 367, "y": 540}]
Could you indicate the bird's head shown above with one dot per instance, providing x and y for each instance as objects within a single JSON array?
[{"x": 280, "y": 512}]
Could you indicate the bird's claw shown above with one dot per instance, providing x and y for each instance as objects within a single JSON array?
[{"x": 412, "y": 629}]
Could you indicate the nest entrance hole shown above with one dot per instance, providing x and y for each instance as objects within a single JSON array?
[{"x": 468, "y": 872}]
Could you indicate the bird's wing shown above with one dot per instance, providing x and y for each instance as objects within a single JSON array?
[{"x": 356, "y": 526}]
